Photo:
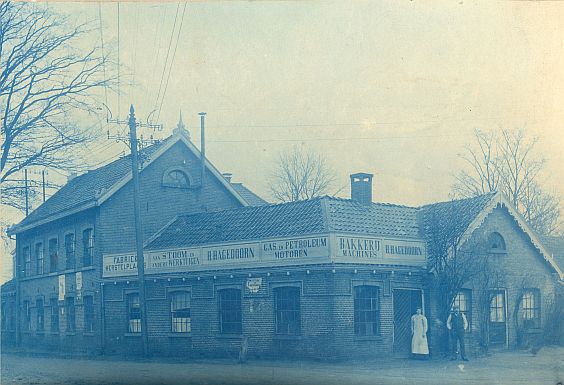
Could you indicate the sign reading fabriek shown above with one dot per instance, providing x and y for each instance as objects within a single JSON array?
[{"x": 286, "y": 251}]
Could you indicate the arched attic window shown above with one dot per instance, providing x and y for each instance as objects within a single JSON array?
[
  {"x": 496, "y": 243},
  {"x": 176, "y": 177}
]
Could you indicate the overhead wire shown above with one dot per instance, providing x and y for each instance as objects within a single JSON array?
[
  {"x": 172, "y": 61},
  {"x": 167, "y": 55}
]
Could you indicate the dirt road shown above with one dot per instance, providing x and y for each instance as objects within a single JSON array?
[{"x": 501, "y": 368}]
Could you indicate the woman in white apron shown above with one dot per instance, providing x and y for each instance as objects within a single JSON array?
[{"x": 419, "y": 346}]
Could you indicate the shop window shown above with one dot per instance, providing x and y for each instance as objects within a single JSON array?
[
  {"x": 463, "y": 301},
  {"x": 71, "y": 316},
  {"x": 70, "y": 251},
  {"x": 176, "y": 178},
  {"x": 366, "y": 311},
  {"x": 53, "y": 254},
  {"x": 27, "y": 261},
  {"x": 87, "y": 247},
  {"x": 230, "y": 319},
  {"x": 26, "y": 316},
  {"x": 88, "y": 302},
  {"x": 54, "y": 315},
  {"x": 287, "y": 310},
  {"x": 133, "y": 313},
  {"x": 530, "y": 308},
  {"x": 180, "y": 312},
  {"x": 40, "y": 315},
  {"x": 496, "y": 243}
]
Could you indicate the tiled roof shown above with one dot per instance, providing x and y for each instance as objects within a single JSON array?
[
  {"x": 250, "y": 197},
  {"x": 246, "y": 223},
  {"x": 380, "y": 219},
  {"x": 555, "y": 245},
  {"x": 315, "y": 216},
  {"x": 86, "y": 188},
  {"x": 449, "y": 220}
]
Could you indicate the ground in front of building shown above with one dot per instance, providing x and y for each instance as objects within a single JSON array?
[{"x": 518, "y": 367}]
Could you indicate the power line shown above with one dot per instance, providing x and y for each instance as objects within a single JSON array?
[
  {"x": 118, "y": 61},
  {"x": 166, "y": 59},
  {"x": 172, "y": 61},
  {"x": 103, "y": 53}
]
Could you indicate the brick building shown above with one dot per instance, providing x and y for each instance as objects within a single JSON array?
[{"x": 326, "y": 277}]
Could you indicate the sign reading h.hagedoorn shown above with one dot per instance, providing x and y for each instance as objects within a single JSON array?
[{"x": 284, "y": 251}]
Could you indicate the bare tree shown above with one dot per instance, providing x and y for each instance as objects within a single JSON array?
[
  {"x": 44, "y": 81},
  {"x": 300, "y": 174},
  {"x": 506, "y": 162}
]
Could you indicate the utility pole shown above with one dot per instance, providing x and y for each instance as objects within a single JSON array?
[
  {"x": 138, "y": 230},
  {"x": 43, "y": 177},
  {"x": 26, "y": 195}
]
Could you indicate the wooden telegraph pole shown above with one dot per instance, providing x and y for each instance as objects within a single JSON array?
[{"x": 138, "y": 230}]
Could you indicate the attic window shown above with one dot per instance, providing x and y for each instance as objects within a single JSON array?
[
  {"x": 177, "y": 178},
  {"x": 496, "y": 243}
]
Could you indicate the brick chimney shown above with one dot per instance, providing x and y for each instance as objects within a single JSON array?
[{"x": 361, "y": 188}]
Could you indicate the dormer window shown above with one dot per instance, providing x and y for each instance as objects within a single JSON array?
[
  {"x": 496, "y": 243},
  {"x": 177, "y": 178}
]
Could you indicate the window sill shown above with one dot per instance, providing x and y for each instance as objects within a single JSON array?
[
  {"x": 180, "y": 335},
  {"x": 287, "y": 337},
  {"x": 496, "y": 251},
  {"x": 40, "y": 332},
  {"x": 70, "y": 333},
  {"x": 53, "y": 333},
  {"x": 132, "y": 334},
  {"x": 229, "y": 336},
  {"x": 369, "y": 338},
  {"x": 89, "y": 334}
]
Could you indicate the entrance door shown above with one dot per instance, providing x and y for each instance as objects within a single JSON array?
[
  {"x": 406, "y": 303},
  {"x": 498, "y": 314}
]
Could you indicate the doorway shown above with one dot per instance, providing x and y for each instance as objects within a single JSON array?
[
  {"x": 406, "y": 302},
  {"x": 498, "y": 318}
]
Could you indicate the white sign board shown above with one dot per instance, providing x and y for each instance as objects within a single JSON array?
[
  {"x": 254, "y": 284},
  {"x": 61, "y": 287}
]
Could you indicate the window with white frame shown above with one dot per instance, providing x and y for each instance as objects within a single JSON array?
[
  {"x": 53, "y": 254},
  {"x": 530, "y": 308},
  {"x": 26, "y": 316},
  {"x": 88, "y": 305},
  {"x": 40, "y": 258},
  {"x": 497, "y": 306},
  {"x": 70, "y": 251},
  {"x": 54, "y": 302},
  {"x": 180, "y": 312},
  {"x": 70, "y": 312},
  {"x": 87, "y": 247},
  {"x": 27, "y": 261},
  {"x": 40, "y": 312},
  {"x": 133, "y": 313},
  {"x": 463, "y": 301},
  {"x": 366, "y": 310},
  {"x": 287, "y": 310}
]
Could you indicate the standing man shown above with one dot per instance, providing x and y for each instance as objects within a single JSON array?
[{"x": 457, "y": 324}]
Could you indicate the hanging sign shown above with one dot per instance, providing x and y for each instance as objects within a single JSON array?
[{"x": 254, "y": 284}]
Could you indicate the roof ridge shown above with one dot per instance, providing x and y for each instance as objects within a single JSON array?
[{"x": 489, "y": 195}]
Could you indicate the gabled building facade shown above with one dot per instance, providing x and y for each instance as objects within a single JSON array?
[{"x": 60, "y": 245}]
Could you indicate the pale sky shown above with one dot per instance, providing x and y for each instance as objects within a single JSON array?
[{"x": 390, "y": 88}]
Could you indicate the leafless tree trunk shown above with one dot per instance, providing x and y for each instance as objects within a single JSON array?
[
  {"x": 300, "y": 174},
  {"x": 44, "y": 80},
  {"x": 506, "y": 162}
]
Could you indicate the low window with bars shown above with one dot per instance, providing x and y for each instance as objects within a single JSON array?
[
  {"x": 180, "y": 312},
  {"x": 133, "y": 313}
]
